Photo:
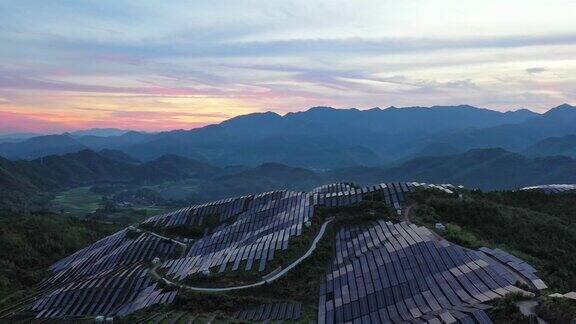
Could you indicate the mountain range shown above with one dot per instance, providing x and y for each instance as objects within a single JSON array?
[
  {"x": 323, "y": 138},
  {"x": 493, "y": 168}
]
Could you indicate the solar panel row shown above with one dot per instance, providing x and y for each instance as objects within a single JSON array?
[
  {"x": 107, "y": 278},
  {"x": 393, "y": 271},
  {"x": 271, "y": 312},
  {"x": 264, "y": 226},
  {"x": 116, "y": 292},
  {"x": 401, "y": 272},
  {"x": 522, "y": 267},
  {"x": 553, "y": 188},
  {"x": 118, "y": 250}
]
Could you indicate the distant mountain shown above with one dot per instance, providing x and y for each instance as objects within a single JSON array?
[
  {"x": 23, "y": 180},
  {"x": 265, "y": 177},
  {"x": 173, "y": 168},
  {"x": 433, "y": 149},
  {"x": 41, "y": 146},
  {"x": 103, "y": 132},
  {"x": 564, "y": 145},
  {"x": 114, "y": 142},
  {"x": 486, "y": 169},
  {"x": 118, "y": 156},
  {"x": 20, "y": 180},
  {"x": 44, "y": 145},
  {"x": 559, "y": 121},
  {"x": 323, "y": 137},
  {"x": 85, "y": 167},
  {"x": 11, "y": 179},
  {"x": 17, "y": 137}
]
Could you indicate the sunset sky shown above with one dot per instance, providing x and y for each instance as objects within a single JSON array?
[{"x": 158, "y": 65}]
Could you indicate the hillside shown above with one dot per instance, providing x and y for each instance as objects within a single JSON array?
[
  {"x": 31, "y": 243},
  {"x": 172, "y": 168},
  {"x": 304, "y": 251},
  {"x": 319, "y": 138},
  {"x": 41, "y": 146},
  {"x": 479, "y": 168},
  {"x": 559, "y": 121},
  {"x": 564, "y": 145},
  {"x": 118, "y": 156},
  {"x": 315, "y": 137},
  {"x": 266, "y": 177},
  {"x": 22, "y": 181}
]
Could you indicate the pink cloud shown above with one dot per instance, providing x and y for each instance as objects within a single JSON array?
[
  {"x": 14, "y": 122},
  {"x": 11, "y": 122}
]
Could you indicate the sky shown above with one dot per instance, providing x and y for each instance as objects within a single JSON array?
[{"x": 160, "y": 65}]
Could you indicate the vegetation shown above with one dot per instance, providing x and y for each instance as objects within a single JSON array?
[
  {"x": 188, "y": 312},
  {"x": 557, "y": 310},
  {"x": 31, "y": 243},
  {"x": 301, "y": 283},
  {"x": 78, "y": 201},
  {"x": 209, "y": 224},
  {"x": 505, "y": 310},
  {"x": 296, "y": 248},
  {"x": 536, "y": 227},
  {"x": 364, "y": 212}
]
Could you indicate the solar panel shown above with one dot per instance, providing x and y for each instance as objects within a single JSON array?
[
  {"x": 403, "y": 273},
  {"x": 381, "y": 272}
]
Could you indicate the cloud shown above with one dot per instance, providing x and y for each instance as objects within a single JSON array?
[
  {"x": 149, "y": 115},
  {"x": 335, "y": 46},
  {"x": 536, "y": 70},
  {"x": 180, "y": 63},
  {"x": 16, "y": 122},
  {"x": 14, "y": 80}
]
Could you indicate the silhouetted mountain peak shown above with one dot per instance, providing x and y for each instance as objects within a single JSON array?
[
  {"x": 132, "y": 133},
  {"x": 564, "y": 108},
  {"x": 521, "y": 112},
  {"x": 261, "y": 116},
  {"x": 50, "y": 138},
  {"x": 272, "y": 166},
  {"x": 321, "y": 108}
]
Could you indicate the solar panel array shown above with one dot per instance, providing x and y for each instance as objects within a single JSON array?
[
  {"x": 338, "y": 195},
  {"x": 271, "y": 312},
  {"x": 109, "y": 277},
  {"x": 553, "y": 188},
  {"x": 263, "y": 226},
  {"x": 387, "y": 271},
  {"x": 195, "y": 215},
  {"x": 401, "y": 272},
  {"x": 526, "y": 270}
]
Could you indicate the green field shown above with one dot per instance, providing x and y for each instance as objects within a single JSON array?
[{"x": 78, "y": 201}]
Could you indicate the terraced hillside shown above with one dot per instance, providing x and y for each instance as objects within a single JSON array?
[{"x": 340, "y": 253}]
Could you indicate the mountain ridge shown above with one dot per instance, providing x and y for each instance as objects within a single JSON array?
[{"x": 322, "y": 138}]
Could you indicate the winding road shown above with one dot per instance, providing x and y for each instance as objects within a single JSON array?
[{"x": 278, "y": 275}]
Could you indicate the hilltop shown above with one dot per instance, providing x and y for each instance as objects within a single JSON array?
[
  {"x": 493, "y": 168},
  {"x": 337, "y": 253}
]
